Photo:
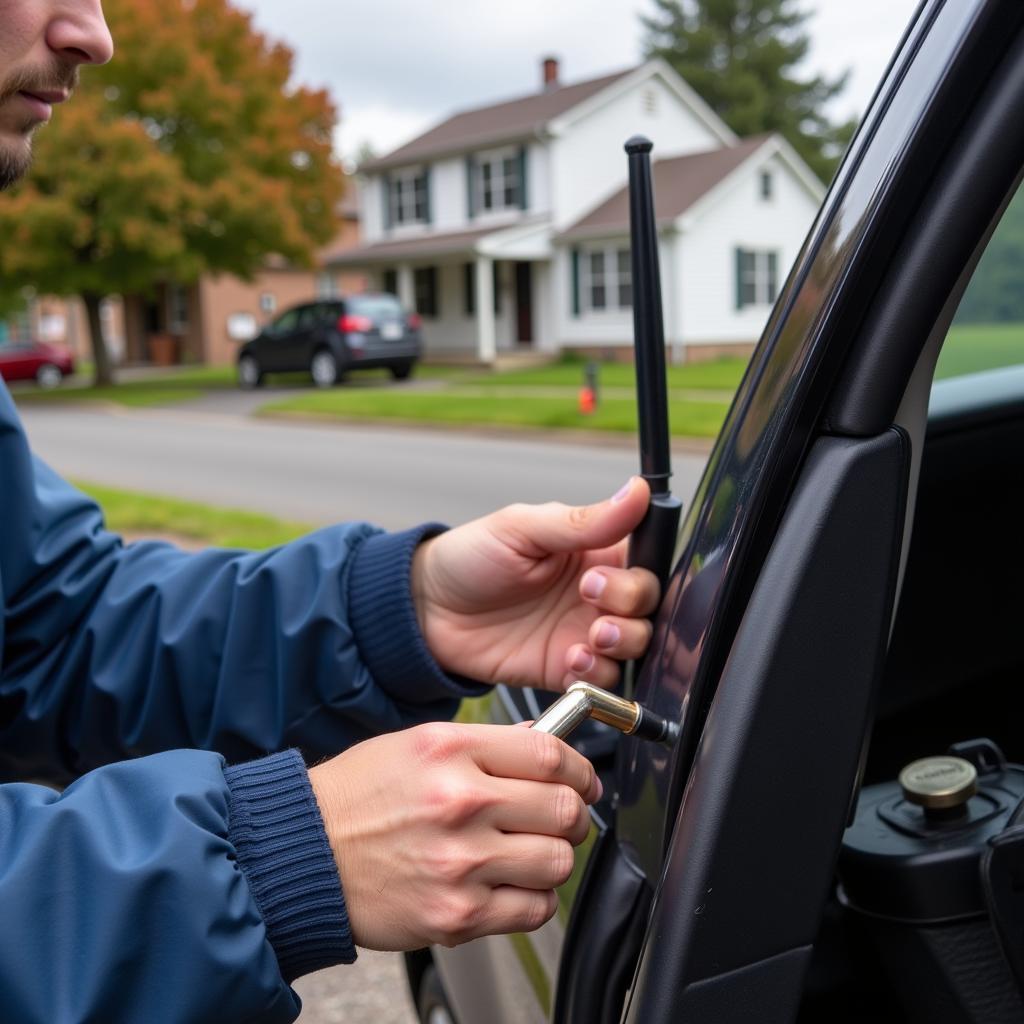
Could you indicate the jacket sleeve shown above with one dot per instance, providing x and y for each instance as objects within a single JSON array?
[
  {"x": 113, "y": 651},
  {"x": 125, "y": 898}
]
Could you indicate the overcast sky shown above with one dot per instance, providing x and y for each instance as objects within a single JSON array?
[{"x": 395, "y": 67}]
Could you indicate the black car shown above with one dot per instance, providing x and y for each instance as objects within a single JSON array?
[
  {"x": 332, "y": 337},
  {"x": 846, "y": 599}
]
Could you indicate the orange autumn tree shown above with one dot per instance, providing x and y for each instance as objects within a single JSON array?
[{"x": 189, "y": 152}]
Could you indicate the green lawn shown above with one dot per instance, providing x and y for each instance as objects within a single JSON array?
[
  {"x": 688, "y": 419},
  {"x": 973, "y": 347},
  {"x": 130, "y": 512},
  {"x": 162, "y": 389}
]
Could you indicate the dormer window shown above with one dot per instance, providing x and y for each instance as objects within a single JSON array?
[{"x": 408, "y": 197}]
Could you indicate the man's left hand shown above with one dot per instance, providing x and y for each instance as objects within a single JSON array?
[{"x": 537, "y": 595}]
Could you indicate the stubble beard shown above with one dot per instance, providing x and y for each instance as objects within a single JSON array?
[{"x": 15, "y": 160}]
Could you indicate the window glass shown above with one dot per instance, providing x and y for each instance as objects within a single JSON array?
[
  {"x": 498, "y": 178},
  {"x": 597, "y": 287},
  {"x": 625, "y": 269},
  {"x": 757, "y": 277},
  {"x": 425, "y": 288},
  {"x": 286, "y": 322},
  {"x": 408, "y": 197},
  {"x": 376, "y": 307},
  {"x": 988, "y": 329},
  {"x": 766, "y": 184},
  {"x": 389, "y": 281}
]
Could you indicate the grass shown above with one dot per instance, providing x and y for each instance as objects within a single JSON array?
[
  {"x": 973, "y": 347},
  {"x": 163, "y": 389},
  {"x": 130, "y": 512},
  {"x": 689, "y": 419}
]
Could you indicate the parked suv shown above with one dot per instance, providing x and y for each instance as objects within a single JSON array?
[{"x": 330, "y": 338}]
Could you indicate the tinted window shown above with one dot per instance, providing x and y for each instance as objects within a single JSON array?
[
  {"x": 988, "y": 329},
  {"x": 286, "y": 322},
  {"x": 376, "y": 307}
]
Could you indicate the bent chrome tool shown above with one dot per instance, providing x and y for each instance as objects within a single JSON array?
[{"x": 584, "y": 700}]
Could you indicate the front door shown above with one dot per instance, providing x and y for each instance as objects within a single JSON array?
[{"x": 524, "y": 303}]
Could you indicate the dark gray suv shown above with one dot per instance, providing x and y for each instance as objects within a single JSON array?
[{"x": 332, "y": 337}]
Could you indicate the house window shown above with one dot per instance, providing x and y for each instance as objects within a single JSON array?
[
  {"x": 425, "y": 290},
  {"x": 607, "y": 284},
  {"x": 389, "y": 281},
  {"x": 177, "y": 309},
  {"x": 407, "y": 198},
  {"x": 469, "y": 287},
  {"x": 766, "y": 184},
  {"x": 756, "y": 277},
  {"x": 499, "y": 181},
  {"x": 326, "y": 286}
]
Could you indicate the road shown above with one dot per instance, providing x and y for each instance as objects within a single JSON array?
[
  {"x": 214, "y": 452},
  {"x": 325, "y": 473}
]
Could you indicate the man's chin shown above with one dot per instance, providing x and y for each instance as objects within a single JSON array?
[{"x": 15, "y": 161}]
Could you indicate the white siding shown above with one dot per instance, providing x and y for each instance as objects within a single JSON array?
[
  {"x": 706, "y": 283},
  {"x": 448, "y": 195},
  {"x": 371, "y": 208},
  {"x": 588, "y": 161}
]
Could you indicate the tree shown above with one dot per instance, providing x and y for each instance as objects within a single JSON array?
[
  {"x": 740, "y": 56},
  {"x": 189, "y": 152}
]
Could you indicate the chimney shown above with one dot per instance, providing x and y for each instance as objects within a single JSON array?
[{"x": 549, "y": 68}]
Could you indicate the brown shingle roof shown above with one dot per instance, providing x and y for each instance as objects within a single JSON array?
[
  {"x": 496, "y": 123},
  {"x": 678, "y": 183}
]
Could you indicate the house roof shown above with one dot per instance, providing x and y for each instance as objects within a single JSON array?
[
  {"x": 678, "y": 183},
  {"x": 407, "y": 248},
  {"x": 495, "y": 123}
]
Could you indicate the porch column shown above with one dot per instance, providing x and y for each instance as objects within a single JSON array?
[
  {"x": 406, "y": 289},
  {"x": 485, "y": 338}
]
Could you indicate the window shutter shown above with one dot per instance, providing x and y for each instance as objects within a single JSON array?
[
  {"x": 470, "y": 187},
  {"x": 773, "y": 276},
  {"x": 496, "y": 287},
  {"x": 739, "y": 278},
  {"x": 574, "y": 267},
  {"x": 385, "y": 184},
  {"x": 427, "y": 206},
  {"x": 435, "y": 293},
  {"x": 469, "y": 286},
  {"x": 523, "y": 196}
]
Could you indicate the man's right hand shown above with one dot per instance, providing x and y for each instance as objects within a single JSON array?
[{"x": 447, "y": 832}]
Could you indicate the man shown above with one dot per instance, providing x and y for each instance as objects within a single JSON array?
[{"x": 172, "y": 887}]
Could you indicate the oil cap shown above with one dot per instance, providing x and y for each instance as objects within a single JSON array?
[{"x": 941, "y": 785}]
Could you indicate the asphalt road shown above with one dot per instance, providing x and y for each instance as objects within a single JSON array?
[
  {"x": 327, "y": 473},
  {"x": 319, "y": 474}
]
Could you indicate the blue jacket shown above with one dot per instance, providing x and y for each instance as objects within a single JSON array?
[{"x": 161, "y": 885}]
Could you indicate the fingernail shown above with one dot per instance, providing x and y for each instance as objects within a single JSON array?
[
  {"x": 621, "y": 493},
  {"x": 583, "y": 661},
  {"x": 593, "y": 584},
  {"x": 608, "y": 635}
]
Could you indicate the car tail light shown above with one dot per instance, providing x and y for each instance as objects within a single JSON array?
[
  {"x": 351, "y": 323},
  {"x": 413, "y": 321}
]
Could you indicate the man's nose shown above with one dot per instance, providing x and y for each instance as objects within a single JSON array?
[{"x": 79, "y": 33}]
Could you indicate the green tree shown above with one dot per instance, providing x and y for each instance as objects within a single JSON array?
[
  {"x": 741, "y": 56},
  {"x": 189, "y": 152}
]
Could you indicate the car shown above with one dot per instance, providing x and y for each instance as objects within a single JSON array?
[
  {"x": 329, "y": 338},
  {"x": 844, "y": 600},
  {"x": 45, "y": 363}
]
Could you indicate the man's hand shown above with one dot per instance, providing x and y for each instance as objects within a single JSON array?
[
  {"x": 446, "y": 832},
  {"x": 536, "y": 595}
]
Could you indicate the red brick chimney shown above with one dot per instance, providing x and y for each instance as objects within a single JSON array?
[{"x": 549, "y": 68}]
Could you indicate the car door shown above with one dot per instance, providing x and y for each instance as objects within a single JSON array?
[
  {"x": 701, "y": 890},
  {"x": 273, "y": 347}
]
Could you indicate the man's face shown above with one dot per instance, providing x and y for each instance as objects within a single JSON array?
[{"x": 42, "y": 45}]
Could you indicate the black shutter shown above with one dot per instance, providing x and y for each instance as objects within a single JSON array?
[
  {"x": 574, "y": 280},
  {"x": 773, "y": 276},
  {"x": 739, "y": 278},
  {"x": 523, "y": 200},
  {"x": 470, "y": 187},
  {"x": 435, "y": 293},
  {"x": 496, "y": 287},
  {"x": 427, "y": 216},
  {"x": 385, "y": 184},
  {"x": 469, "y": 287}
]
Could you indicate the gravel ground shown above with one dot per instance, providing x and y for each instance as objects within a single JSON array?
[{"x": 373, "y": 990}]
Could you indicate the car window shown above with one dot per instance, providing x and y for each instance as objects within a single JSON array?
[
  {"x": 285, "y": 322},
  {"x": 376, "y": 307},
  {"x": 988, "y": 329}
]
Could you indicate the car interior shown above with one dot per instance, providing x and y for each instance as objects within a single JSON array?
[{"x": 952, "y": 675}]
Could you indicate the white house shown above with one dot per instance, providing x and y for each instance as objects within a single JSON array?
[{"x": 507, "y": 227}]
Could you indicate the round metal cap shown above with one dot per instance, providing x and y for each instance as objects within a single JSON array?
[{"x": 938, "y": 783}]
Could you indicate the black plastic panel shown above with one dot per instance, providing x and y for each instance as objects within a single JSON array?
[{"x": 754, "y": 848}]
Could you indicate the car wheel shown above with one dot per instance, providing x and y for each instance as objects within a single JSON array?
[
  {"x": 324, "y": 369},
  {"x": 249, "y": 373},
  {"x": 403, "y": 371},
  {"x": 432, "y": 1004},
  {"x": 49, "y": 376}
]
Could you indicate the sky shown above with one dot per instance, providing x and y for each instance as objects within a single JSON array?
[{"x": 395, "y": 67}]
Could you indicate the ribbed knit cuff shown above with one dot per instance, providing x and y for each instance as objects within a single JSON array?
[
  {"x": 275, "y": 826},
  {"x": 383, "y": 620}
]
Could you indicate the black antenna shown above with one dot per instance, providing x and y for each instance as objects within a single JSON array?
[{"x": 653, "y": 541}]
